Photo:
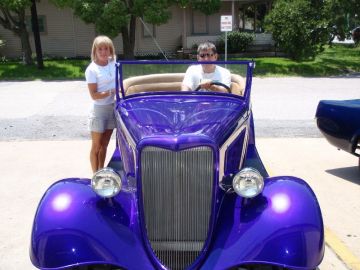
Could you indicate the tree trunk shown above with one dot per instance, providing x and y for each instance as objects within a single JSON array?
[
  {"x": 35, "y": 28},
  {"x": 128, "y": 36},
  {"x": 128, "y": 47},
  {"x": 18, "y": 27},
  {"x": 24, "y": 37},
  {"x": 25, "y": 46}
]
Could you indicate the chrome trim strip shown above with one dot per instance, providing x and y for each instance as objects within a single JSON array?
[
  {"x": 242, "y": 124},
  {"x": 246, "y": 139},
  {"x": 126, "y": 132},
  {"x": 128, "y": 138}
]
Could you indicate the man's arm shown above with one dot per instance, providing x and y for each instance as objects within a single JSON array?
[
  {"x": 187, "y": 81},
  {"x": 225, "y": 76}
]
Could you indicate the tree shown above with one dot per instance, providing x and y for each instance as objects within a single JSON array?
[
  {"x": 299, "y": 27},
  {"x": 113, "y": 17},
  {"x": 12, "y": 17},
  {"x": 345, "y": 15}
]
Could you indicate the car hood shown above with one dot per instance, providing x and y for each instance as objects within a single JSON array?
[{"x": 177, "y": 118}]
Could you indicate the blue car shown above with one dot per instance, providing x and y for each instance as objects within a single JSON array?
[
  {"x": 339, "y": 122},
  {"x": 185, "y": 188}
]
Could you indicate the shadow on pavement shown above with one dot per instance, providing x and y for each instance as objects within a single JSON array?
[{"x": 351, "y": 174}]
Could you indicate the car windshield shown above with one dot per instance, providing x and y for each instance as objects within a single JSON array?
[{"x": 146, "y": 77}]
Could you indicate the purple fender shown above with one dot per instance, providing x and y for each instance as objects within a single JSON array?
[
  {"x": 73, "y": 226},
  {"x": 282, "y": 226}
]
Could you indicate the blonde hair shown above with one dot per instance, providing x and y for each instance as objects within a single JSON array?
[{"x": 100, "y": 41}]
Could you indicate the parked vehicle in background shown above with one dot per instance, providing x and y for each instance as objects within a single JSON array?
[
  {"x": 355, "y": 33},
  {"x": 339, "y": 122},
  {"x": 185, "y": 188}
]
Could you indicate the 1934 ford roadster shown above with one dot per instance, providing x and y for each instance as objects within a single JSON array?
[{"x": 185, "y": 188}]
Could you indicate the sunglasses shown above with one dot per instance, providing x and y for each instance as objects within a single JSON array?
[{"x": 203, "y": 55}]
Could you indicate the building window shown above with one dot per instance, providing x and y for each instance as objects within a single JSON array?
[
  {"x": 148, "y": 30},
  {"x": 251, "y": 17},
  {"x": 199, "y": 23},
  {"x": 41, "y": 23}
]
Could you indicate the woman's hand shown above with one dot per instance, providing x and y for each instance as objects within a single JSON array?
[
  {"x": 111, "y": 92},
  {"x": 99, "y": 95}
]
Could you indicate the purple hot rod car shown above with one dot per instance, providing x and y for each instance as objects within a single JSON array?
[
  {"x": 339, "y": 122},
  {"x": 185, "y": 188}
]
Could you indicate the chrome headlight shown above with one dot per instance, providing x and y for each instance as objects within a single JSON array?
[
  {"x": 106, "y": 182},
  {"x": 248, "y": 183}
]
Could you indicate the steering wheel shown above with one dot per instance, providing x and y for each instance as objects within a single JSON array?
[{"x": 216, "y": 83}]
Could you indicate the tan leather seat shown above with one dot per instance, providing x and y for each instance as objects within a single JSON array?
[
  {"x": 171, "y": 82},
  {"x": 153, "y": 82},
  {"x": 237, "y": 86}
]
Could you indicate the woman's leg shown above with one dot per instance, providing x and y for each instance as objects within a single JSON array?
[
  {"x": 96, "y": 139},
  {"x": 105, "y": 138}
]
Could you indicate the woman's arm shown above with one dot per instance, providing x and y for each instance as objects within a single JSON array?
[{"x": 99, "y": 95}]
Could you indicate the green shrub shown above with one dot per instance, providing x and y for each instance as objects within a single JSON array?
[
  {"x": 299, "y": 27},
  {"x": 236, "y": 42}
]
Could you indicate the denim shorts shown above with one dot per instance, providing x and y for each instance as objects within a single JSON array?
[{"x": 101, "y": 118}]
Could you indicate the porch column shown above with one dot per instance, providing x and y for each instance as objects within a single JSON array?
[
  {"x": 184, "y": 35},
  {"x": 233, "y": 14}
]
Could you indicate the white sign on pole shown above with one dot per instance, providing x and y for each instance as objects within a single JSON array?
[
  {"x": 226, "y": 23},
  {"x": 226, "y": 26}
]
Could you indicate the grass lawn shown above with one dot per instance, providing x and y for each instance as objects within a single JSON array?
[
  {"x": 337, "y": 60},
  {"x": 53, "y": 70}
]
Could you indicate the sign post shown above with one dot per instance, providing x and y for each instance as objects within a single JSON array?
[{"x": 226, "y": 26}]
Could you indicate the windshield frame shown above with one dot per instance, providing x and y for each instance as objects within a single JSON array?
[{"x": 120, "y": 92}]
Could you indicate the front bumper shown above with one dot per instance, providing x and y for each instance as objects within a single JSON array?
[{"x": 73, "y": 226}]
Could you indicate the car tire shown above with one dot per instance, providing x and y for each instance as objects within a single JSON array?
[
  {"x": 260, "y": 267},
  {"x": 95, "y": 267}
]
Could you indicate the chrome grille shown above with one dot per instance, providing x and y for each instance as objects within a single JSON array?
[{"x": 177, "y": 194}]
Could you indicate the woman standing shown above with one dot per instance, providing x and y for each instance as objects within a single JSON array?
[{"x": 100, "y": 77}]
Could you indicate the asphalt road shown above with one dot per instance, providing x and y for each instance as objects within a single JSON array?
[
  {"x": 43, "y": 138},
  {"x": 283, "y": 107}
]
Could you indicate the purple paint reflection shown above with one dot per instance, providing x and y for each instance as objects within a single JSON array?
[
  {"x": 61, "y": 202},
  {"x": 280, "y": 203}
]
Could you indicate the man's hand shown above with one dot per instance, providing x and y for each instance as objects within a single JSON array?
[{"x": 206, "y": 84}]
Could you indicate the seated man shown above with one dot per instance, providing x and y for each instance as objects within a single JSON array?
[{"x": 205, "y": 75}]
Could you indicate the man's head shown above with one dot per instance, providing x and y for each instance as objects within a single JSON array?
[{"x": 207, "y": 52}]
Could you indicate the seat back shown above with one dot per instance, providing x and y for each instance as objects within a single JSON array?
[
  {"x": 153, "y": 82},
  {"x": 237, "y": 86},
  {"x": 171, "y": 82}
]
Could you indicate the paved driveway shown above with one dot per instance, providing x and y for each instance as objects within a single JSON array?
[{"x": 43, "y": 138}]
